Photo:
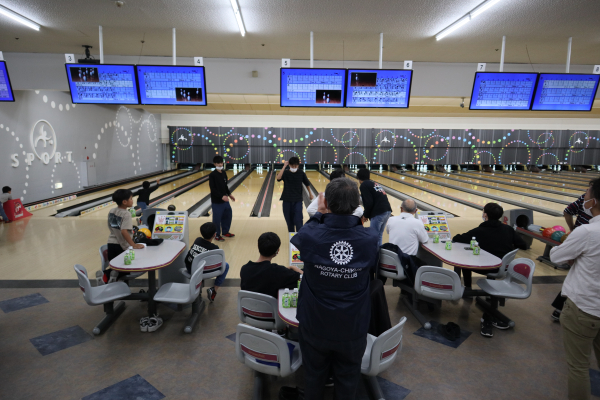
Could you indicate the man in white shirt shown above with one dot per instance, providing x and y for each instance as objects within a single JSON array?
[
  {"x": 405, "y": 230},
  {"x": 580, "y": 317},
  {"x": 314, "y": 205}
]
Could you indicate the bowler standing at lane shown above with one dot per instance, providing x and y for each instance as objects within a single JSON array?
[{"x": 293, "y": 179}]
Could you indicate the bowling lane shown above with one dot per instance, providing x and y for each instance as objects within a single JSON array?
[
  {"x": 48, "y": 211},
  {"x": 318, "y": 180},
  {"x": 246, "y": 193},
  {"x": 554, "y": 178},
  {"x": 433, "y": 199},
  {"x": 515, "y": 197},
  {"x": 507, "y": 185},
  {"x": 103, "y": 213},
  {"x": 503, "y": 178}
]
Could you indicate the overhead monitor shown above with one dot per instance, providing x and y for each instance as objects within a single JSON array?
[
  {"x": 102, "y": 84},
  {"x": 172, "y": 85},
  {"x": 565, "y": 92},
  {"x": 502, "y": 91},
  {"x": 378, "y": 88},
  {"x": 6, "y": 93},
  {"x": 312, "y": 87}
]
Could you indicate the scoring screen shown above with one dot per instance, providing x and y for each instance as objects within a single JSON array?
[
  {"x": 6, "y": 93},
  {"x": 565, "y": 92},
  {"x": 301, "y": 87},
  {"x": 102, "y": 84},
  {"x": 378, "y": 88},
  {"x": 172, "y": 85},
  {"x": 502, "y": 91}
]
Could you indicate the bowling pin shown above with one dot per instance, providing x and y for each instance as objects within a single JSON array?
[{"x": 380, "y": 168}]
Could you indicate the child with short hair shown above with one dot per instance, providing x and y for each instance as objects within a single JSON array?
[
  {"x": 265, "y": 277},
  {"x": 4, "y": 197},
  {"x": 202, "y": 245},
  {"x": 120, "y": 225},
  {"x": 143, "y": 194},
  {"x": 293, "y": 179}
]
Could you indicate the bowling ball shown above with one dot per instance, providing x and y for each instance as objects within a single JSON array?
[
  {"x": 139, "y": 237},
  {"x": 557, "y": 235},
  {"x": 146, "y": 232},
  {"x": 559, "y": 228},
  {"x": 564, "y": 237},
  {"x": 547, "y": 232}
]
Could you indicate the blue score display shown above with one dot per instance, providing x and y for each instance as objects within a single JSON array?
[
  {"x": 378, "y": 88},
  {"x": 565, "y": 92},
  {"x": 312, "y": 87},
  {"x": 6, "y": 93},
  {"x": 172, "y": 85},
  {"x": 502, "y": 91},
  {"x": 102, "y": 84}
]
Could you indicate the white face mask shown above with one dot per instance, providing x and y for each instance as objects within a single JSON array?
[
  {"x": 588, "y": 210},
  {"x": 219, "y": 168},
  {"x": 293, "y": 169}
]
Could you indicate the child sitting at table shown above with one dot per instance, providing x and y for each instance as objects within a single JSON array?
[
  {"x": 120, "y": 225},
  {"x": 265, "y": 277},
  {"x": 202, "y": 245}
]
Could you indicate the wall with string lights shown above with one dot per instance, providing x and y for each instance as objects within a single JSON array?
[{"x": 193, "y": 144}]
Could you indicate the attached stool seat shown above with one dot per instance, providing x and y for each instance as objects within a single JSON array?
[
  {"x": 266, "y": 353},
  {"x": 391, "y": 267},
  {"x": 259, "y": 310},
  {"x": 104, "y": 294},
  {"x": 519, "y": 272},
  {"x": 506, "y": 260},
  {"x": 438, "y": 283},
  {"x": 379, "y": 355},
  {"x": 214, "y": 264},
  {"x": 185, "y": 293},
  {"x": 105, "y": 264}
]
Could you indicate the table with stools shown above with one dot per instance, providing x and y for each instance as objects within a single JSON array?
[
  {"x": 149, "y": 259},
  {"x": 460, "y": 256}
]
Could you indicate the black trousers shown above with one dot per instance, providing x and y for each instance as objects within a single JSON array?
[
  {"x": 113, "y": 251},
  {"x": 467, "y": 275},
  {"x": 320, "y": 357},
  {"x": 292, "y": 212}
]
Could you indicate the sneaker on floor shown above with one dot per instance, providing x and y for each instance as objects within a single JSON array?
[
  {"x": 486, "y": 328},
  {"x": 211, "y": 293},
  {"x": 500, "y": 324},
  {"x": 556, "y": 315},
  {"x": 99, "y": 278},
  {"x": 154, "y": 323},
  {"x": 219, "y": 239},
  {"x": 144, "y": 322},
  {"x": 229, "y": 235},
  {"x": 114, "y": 275}
]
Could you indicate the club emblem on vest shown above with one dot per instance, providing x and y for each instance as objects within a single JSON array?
[{"x": 341, "y": 253}]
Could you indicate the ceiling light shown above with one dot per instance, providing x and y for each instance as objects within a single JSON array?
[
  {"x": 238, "y": 16},
  {"x": 19, "y": 18},
  {"x": 468, "y": 17}
]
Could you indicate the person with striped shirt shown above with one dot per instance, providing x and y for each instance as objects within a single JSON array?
[{"x": 583, "y": 218}]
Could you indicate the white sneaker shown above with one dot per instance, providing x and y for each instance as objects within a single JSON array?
[
  {"x": 144, "y": 322},
  {"x": 99, "y": 276},
  {"x": 114, "y": 275},
  {"x": 154, "y": 323}
]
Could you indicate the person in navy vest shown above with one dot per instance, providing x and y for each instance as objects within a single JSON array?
[{"x": 334, "y": 306}]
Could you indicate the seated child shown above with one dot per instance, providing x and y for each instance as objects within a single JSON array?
[
  {"x": 202, "y": 245},
  {"x": 265, "y": 277},
  {"x": 120, "y": 225}
]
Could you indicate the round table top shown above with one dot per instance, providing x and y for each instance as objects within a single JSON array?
[
  {"x": 150, "y": 258},
  {"x": 459, "y": 257},
  {"x": 288, "y": 315}
]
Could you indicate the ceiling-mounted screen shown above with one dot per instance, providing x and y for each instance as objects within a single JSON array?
[
  {"x": 312, "y": 87},
  {"x": 565, "y": 92},
  {"x": 378, "y": 88},
  {"x": 6, "y": 93},
  {"x": 172, "y": 85},
  {"x": 102, "y": 84},
  {"x": 502, "y": 91}
]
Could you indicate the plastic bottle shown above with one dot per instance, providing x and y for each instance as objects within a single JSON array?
[
  {"x": 127, "y": 258},
  {"x": 449, "y": 245},
  {"x": 285, "y": 299},
  {"x": 473, "y": 241},
  {"x": 295, "y": 298},
  {"x": 133, "y": 213},
  {"x": 476, "y": 249},
  {"x": 131, "y": 253},
  {"x": 299, "y": 282}
]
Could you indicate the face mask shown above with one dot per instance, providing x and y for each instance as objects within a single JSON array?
[
  {"x": 588, "y": 210},
  {"x": 293, "y": 169},
  {"x": 483, "y": 218},
  {"x": 219, "y": 168}
]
